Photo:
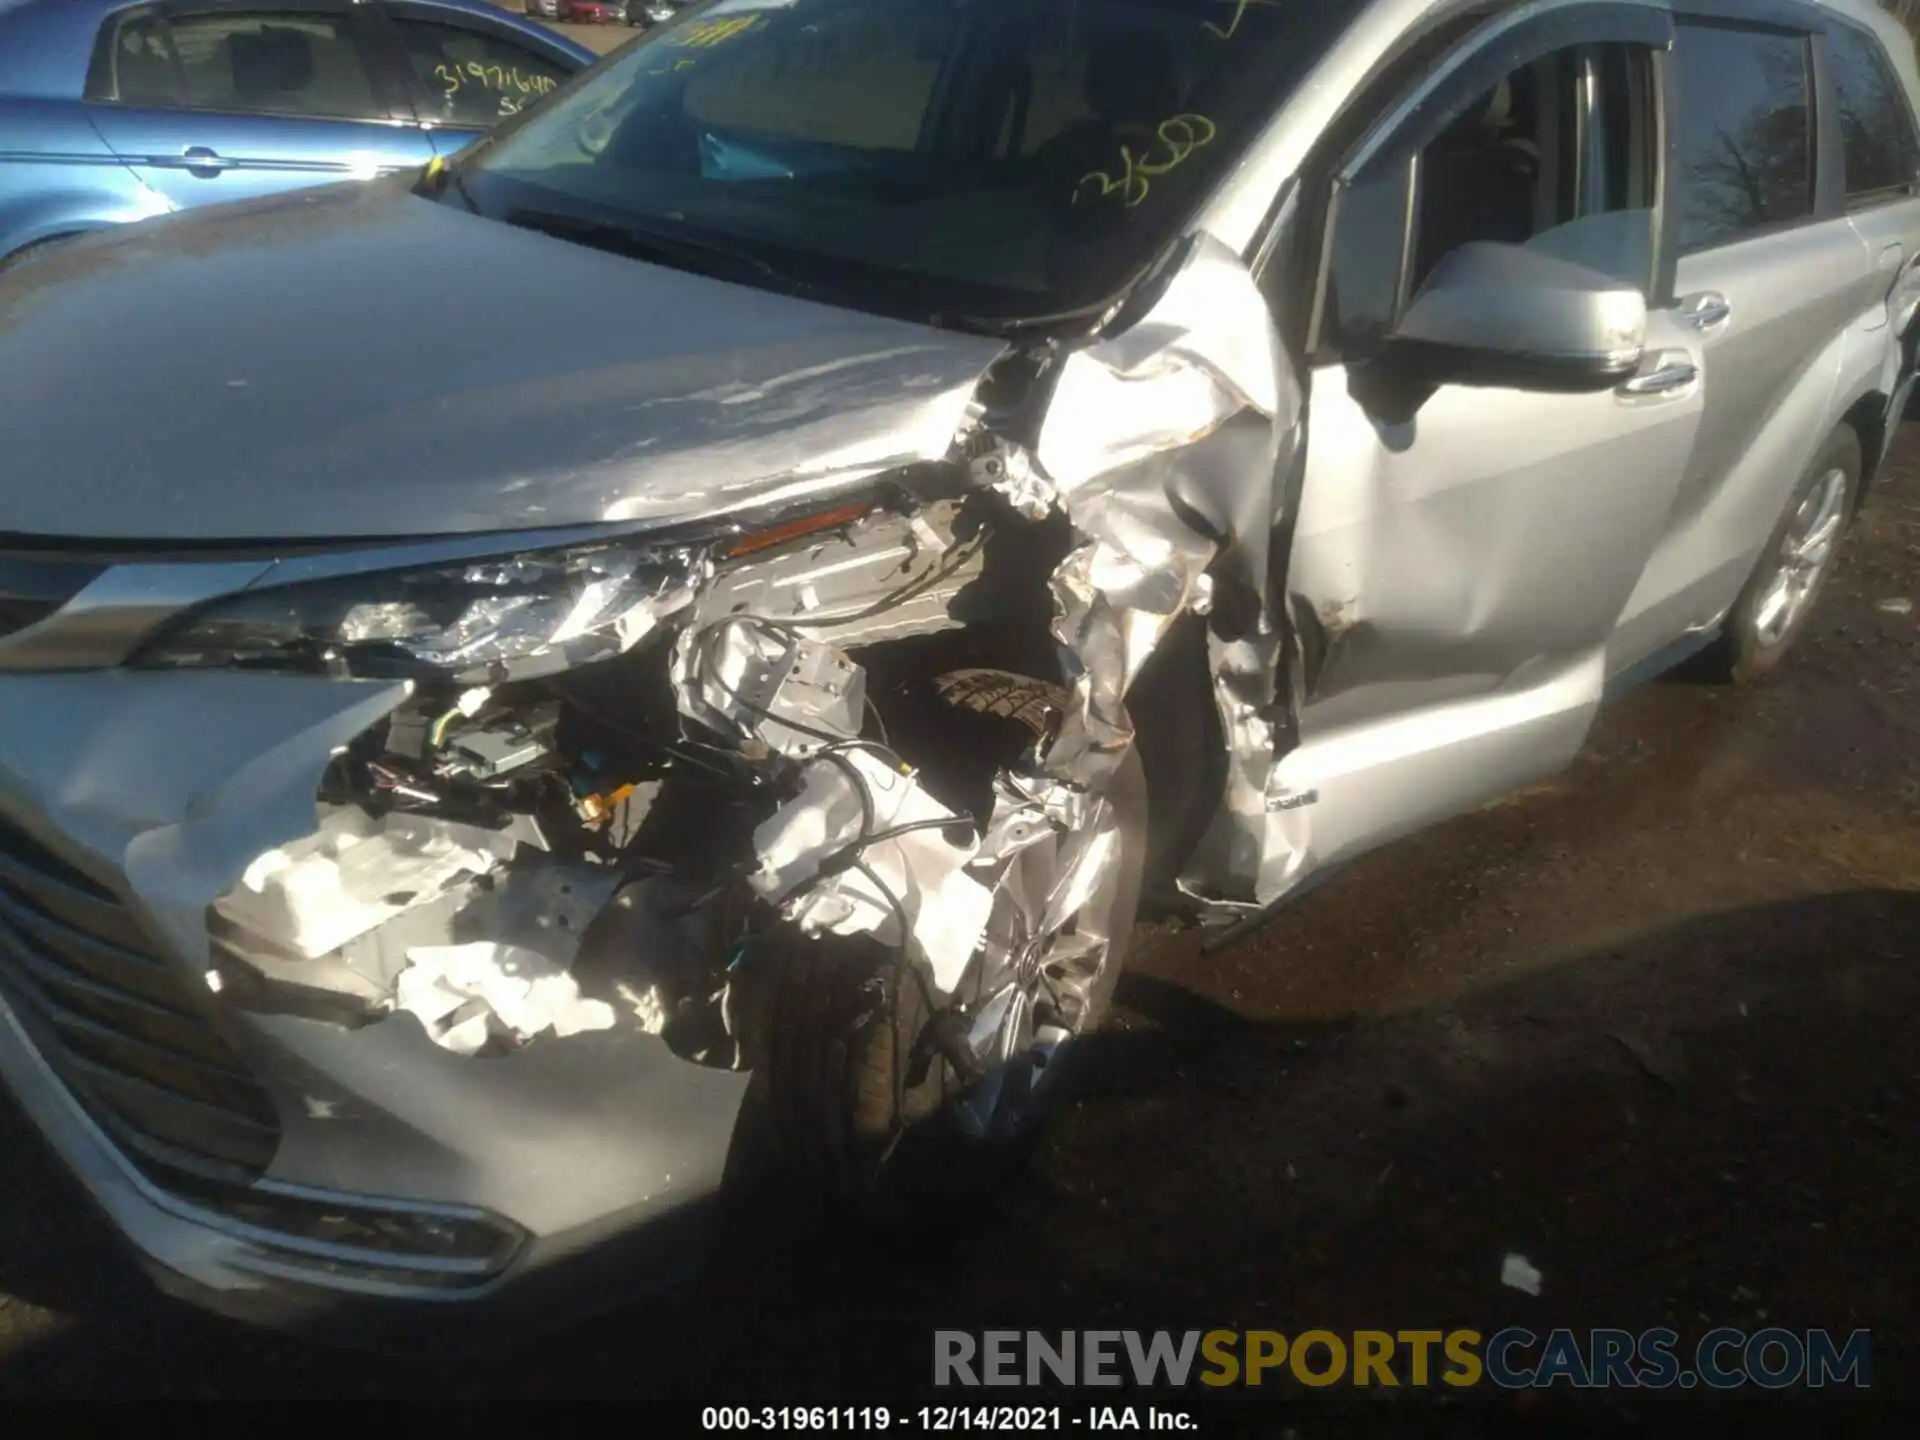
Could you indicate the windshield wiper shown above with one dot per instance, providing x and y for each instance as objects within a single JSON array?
[{"x": 641, "y": 243}]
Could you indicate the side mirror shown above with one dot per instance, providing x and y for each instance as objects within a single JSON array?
[{"x": 1514, "y": 316}]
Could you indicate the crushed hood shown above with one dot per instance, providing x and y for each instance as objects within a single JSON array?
[{"x": 357, "y": 361}]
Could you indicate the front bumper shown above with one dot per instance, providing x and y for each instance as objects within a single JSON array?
[{"x": 591, "y": 1160}]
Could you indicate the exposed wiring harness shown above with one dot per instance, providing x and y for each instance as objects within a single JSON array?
[
  {"x": 852, "y": 855},
  {"x": 946, "y": 569}
]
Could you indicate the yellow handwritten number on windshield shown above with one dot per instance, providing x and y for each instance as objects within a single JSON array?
[
  {"x": 1175, "y": 139},
  {"x": 1233, "y": 25}
]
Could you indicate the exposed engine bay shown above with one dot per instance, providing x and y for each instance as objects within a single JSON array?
[
  {"x": 844, "y": 718},
  {"x": 546, "y": 856}
]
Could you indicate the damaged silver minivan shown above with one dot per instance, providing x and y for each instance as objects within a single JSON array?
[{"x": 725, "y": 600}]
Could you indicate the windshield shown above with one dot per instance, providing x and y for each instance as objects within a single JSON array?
[{"x": 989, "y": 159}]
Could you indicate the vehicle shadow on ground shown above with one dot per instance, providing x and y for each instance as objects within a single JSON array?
[{"x": 1713, "y": 1124}]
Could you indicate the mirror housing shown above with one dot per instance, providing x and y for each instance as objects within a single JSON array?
[{"x": 1519, "y": 317}]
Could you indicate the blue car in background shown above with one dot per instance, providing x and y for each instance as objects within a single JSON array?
[{"x": 111, "y": 111}]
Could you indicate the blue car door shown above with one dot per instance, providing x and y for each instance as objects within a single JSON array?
[{"x": 211, "y": 100}]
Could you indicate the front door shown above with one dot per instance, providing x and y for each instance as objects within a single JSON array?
[{"x": 1460, "y": 558}]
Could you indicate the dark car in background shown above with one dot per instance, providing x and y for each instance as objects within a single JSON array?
[{"x": 111, "y": 112}]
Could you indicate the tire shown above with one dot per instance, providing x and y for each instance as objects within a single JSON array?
[
  {"x": 858, "y": 1097},
  {"x": 1754, "y": 640},
  {"x": 1183, "y": 753}
]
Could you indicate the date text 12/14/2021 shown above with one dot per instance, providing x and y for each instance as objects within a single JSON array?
[{"x": 943, "y": 1419}]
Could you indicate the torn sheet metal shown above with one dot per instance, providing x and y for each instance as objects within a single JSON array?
[
  {"x": 754, "y": 680},
  {"x": 1165, "y": 445},
  {"x": 1026, "y": 810},
  {"x": 1255, "y": 847},
  {"x": 354, "y": 873},
  {"x": 1204, "y": 352},
  {"x": 553, "y": 613},
  {"x": 843, "y": 798},
  {"x": 464, "y": 993}
]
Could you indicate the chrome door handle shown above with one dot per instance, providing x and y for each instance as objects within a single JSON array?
[
  {"x": 1672, "y": 370},
  {"x": 1705, "y": 310},
  {"x": 202, "y": 160}
]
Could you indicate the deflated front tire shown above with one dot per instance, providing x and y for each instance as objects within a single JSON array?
[{"x": 914, "y": 1106}]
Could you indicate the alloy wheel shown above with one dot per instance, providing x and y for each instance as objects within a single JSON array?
[{"x": 1805, "y": 551}]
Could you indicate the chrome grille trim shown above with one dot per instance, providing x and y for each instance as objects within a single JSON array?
[{"x": 120, "y": 1027}]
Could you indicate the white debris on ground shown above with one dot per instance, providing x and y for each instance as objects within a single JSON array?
[
  {"x": 1898, "y": 605},
  {"x": 1517, "y": 1273},
  {"x": 455, "y": 990}
]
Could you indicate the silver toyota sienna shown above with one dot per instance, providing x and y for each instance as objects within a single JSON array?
[{"x": 682, "y": 639}]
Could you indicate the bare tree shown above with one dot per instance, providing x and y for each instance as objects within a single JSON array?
[{"x": 1759, "y": 168}]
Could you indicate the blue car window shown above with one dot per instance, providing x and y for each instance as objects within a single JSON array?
[
  {"x": 144, "y": 69},
  {"x": 467, "y": 78},
  {"x": 276, "y": 64}
]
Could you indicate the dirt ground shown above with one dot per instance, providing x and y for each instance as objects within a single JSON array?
[{"x": 1650, "y": 1026}]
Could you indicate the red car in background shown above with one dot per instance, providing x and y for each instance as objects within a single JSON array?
[{"x": 595, "y": 12}]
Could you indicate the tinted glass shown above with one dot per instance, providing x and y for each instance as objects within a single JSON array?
[
  {"x": 469, "y": 78},
  {"x": 1363, "y": 272},
  {"x": 1746, "y": 151},
  {"x": 280, "y": 64},
  {"x": 1507, "y": 169},
  {"x": 992, "y": 158},
  {"x": 143, "y": 68},
  {"x": 861, "y": 77},
  {"x": 1876, "y": 125}
]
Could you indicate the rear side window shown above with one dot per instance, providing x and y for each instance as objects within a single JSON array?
[
  {"x": 143, "y": 71},
  {"x": 282, "y": 63},
  {"x": 470, "y": 78},
  {"x": 1746, "y": 132},
  {"x": 1876, "y": 123}
]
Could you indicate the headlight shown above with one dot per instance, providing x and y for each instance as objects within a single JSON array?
[{"x": 512, "y": 618}]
